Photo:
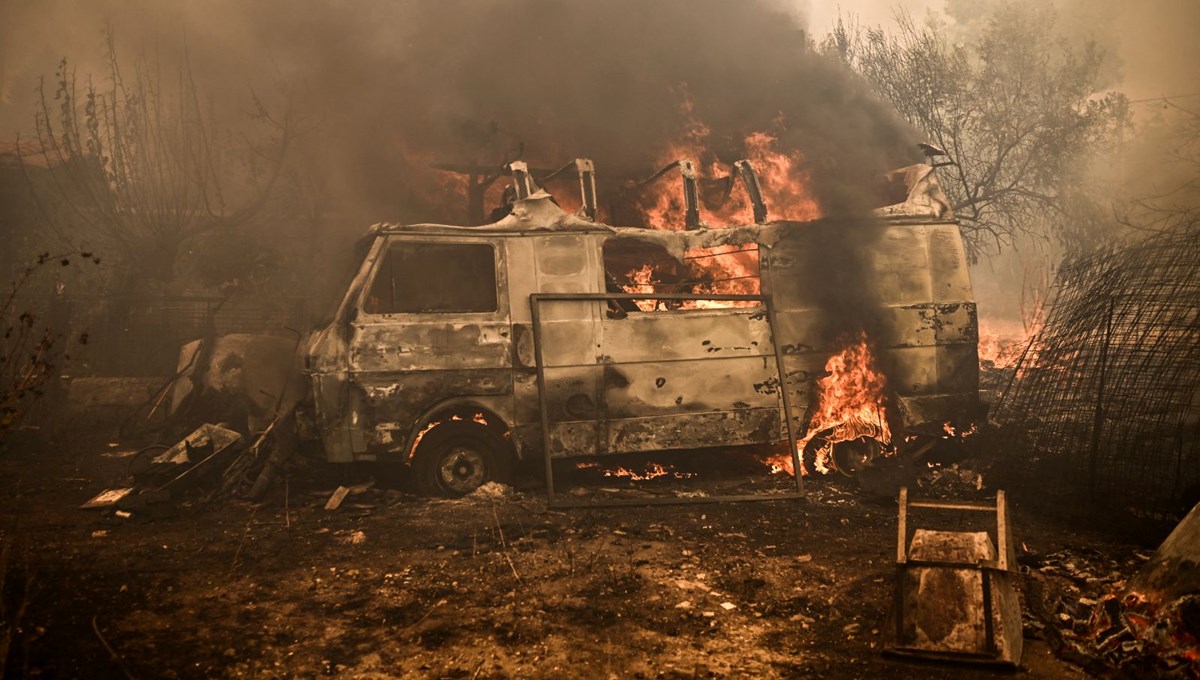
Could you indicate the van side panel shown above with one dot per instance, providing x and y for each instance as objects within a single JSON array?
[
  {"x": 668, "y": 380},
  {"x": 403, "y": 364},
  {"x": 689, "y": 379},
  {"x": 916, "y": 306},
  {"x": 556, "y": 263}
]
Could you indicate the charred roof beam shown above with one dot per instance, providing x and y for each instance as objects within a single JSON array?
[
  {"x": 691, "y": 194},
  {"x": 750, "y": 179},
  {"x": 522, "y": 180},
  {"x": 586, "y": 170}
]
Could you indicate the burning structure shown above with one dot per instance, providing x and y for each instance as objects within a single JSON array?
[
  {"x": 1107, "y": 390},
  {"x": 471, "y": 347}
]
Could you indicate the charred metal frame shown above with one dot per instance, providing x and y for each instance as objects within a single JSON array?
[
  {"x": 691, "y": 193},
  {"x": 753, "y": 189},
  {"x": 586, "y": 170},
  {"x": 988, "y": 569},
  {"x": 522, "y": 180},
  {"x": 535, "y": 302},
  {"x": 587, "y": 186}
]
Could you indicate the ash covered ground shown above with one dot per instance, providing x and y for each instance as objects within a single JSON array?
[{"x": 492, "y": 585}]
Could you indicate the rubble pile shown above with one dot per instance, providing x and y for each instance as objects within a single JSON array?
[
  {"x": 1134, "y": 631},
  {"x": 212, "y": 461},
  {"x": 1079, "y": 602},
  {"x": 965, "y": 480}
]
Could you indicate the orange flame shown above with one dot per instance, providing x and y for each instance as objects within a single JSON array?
[
  {"x": 850, "y": 405},
  {"x": 642, "y": 281},
  {"x": 652, "y": 471},
  {"x": 477, "y": 418},
  {"x": 782, "y": 176},
  {"x": 726, "y": 270},
  {"x": 1001, "y": 344},
  {"x": 721, "y": 270}
]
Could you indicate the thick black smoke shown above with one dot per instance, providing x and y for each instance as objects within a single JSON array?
[{"x": 391, "y": 86}]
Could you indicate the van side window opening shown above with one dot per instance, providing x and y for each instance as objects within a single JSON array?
[
  {"x": 418, "y": 278},
  {"x": 633, "y": 266}
]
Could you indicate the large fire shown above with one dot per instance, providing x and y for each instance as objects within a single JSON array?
[
  {"x": 782, "y": 176},
  {"x": 721, "y": 270},
  {"x": 850, "y": 406}
]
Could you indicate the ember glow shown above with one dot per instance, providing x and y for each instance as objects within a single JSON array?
[
  {"x": 650, "y": 471},
  {"x": 953, "y": 432},
  {"x": 477, "y": 418},
  {"x": 850, "y": 406},
  {"x": 721, "y": 270},
  {"x": 1137, "y": 623}
]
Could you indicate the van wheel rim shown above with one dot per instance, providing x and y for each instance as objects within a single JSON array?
[{"x": 462, "y": 470}]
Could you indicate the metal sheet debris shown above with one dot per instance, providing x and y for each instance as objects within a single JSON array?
[{"x": 107, "y": 498}]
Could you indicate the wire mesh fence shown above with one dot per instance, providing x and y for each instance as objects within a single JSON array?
[{"x": 1107, "y": 394}]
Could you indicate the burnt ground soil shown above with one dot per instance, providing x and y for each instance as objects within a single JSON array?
[{"x": 488, "y": 586}]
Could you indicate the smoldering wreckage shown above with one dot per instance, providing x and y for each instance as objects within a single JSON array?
[{"x": 546, "y": 344}]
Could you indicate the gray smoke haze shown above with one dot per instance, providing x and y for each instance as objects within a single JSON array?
[{"x": 389, "y": 87}]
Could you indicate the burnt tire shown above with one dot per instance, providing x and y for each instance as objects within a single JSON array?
[
  {"x": 852, "y": 456},
  {"x": 459, "y": 456}
]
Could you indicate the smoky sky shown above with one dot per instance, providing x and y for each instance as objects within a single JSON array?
[{"x": 388, "y": 87}]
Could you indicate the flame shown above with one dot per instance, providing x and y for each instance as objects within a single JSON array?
[
  {"x": 953, "y": 432},
  {"x": 651, "y": 471},
  {"x": 642, "y": 280},
  {"x": 783, "y": 178},
  {"x": 477, "y": 418},
  {"x": 782, "y": 175},
  {"x": 720, "y": 270},
  {"x": 725, "y": 270},
  {"x": 1001, "y": 344},
  {"x": 850, "y": 406}
]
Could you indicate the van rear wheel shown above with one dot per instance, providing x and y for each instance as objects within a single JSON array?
[{"x": 457, "y": 457}]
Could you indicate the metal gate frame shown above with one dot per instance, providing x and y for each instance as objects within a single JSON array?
[{"x": 535, "y": 302}]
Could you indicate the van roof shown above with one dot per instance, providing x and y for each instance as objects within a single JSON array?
[{"x": 923, "y": 203}]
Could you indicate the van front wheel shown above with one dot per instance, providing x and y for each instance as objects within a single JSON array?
[{"x": 457, "y": 457}]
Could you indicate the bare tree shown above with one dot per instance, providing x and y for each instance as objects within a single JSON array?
[
  {"x": 1174, "y": 203},
  {"x": 144, "y": 165},
  {"x": 1019, "y": 112},
  {"x": 32, "y": 344}
]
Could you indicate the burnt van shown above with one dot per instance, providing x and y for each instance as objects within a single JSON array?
[{"x": 465, "y": 350}]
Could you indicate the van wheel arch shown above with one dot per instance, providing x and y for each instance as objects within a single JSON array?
[
  {"x": 458, "y": 456},
  {"x": 452, "y": 453}
]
